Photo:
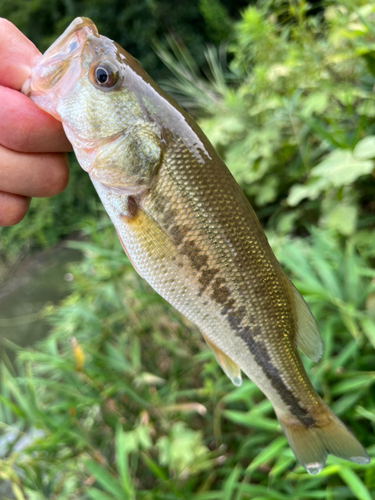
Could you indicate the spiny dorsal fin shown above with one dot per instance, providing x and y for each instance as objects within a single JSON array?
[
  {"x": 308, "y": 338},
  {"x": 229, "y": 367}
]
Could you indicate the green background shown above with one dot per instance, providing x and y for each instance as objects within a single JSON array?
[{"x": 284, "y": 90}]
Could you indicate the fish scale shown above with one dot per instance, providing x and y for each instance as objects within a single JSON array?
[
  {"x": 189, "y": 178},
  {"x": 189, "y": 230}
]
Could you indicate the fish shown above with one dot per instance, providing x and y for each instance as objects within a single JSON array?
[{"x": 188, "y": 229}]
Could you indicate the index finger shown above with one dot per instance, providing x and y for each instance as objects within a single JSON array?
[{"x": 18, "y": 54}]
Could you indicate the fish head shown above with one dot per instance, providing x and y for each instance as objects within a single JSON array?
[{"x": 91, "y": 85}]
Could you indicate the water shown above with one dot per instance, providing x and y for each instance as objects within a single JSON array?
[{"x": 38, "y": 281}]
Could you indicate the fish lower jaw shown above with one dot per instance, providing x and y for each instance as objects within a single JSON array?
[{"x": 125, "y": 190}]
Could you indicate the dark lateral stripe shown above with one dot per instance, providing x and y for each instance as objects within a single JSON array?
[
  {"x": 221, "y": 293},
  {"x": 236, "y": 316},
  {"x": 178, "y": 233},
  {"x": 194, "y": 253},
  {"x": 205, "y": 278},
  {"x": 260, "y": 353},
  {"x": 259, "y": 350}
]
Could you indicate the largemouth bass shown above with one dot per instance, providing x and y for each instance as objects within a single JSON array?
[{"x": 188, "y": 229}]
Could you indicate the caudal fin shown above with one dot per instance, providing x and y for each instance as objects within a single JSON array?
[{"x": 311, "y": 445}]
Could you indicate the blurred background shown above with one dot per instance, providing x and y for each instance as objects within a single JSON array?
[{"x": 106, "y": 391}]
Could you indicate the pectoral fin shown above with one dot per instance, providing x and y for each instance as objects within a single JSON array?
[{"x": 229, "y": 367}]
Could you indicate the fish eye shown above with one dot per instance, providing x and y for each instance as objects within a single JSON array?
[{"x": 106, "y": 75}]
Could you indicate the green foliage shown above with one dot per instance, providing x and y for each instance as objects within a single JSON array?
[
  {"x": 123, "y": 399},
  {"x": 293, "y": 115},
  {"x": 218, "y": 24},
  {"x": 149, "y": 414},
  {"x": 134, "y": 25}
]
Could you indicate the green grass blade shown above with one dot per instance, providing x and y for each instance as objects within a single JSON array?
[
  {"x": 355, "y": 484},
  {"x": 107, "y": 481},
  {"x": 230, "y": 484},
  {"x": 122, "y": 461},
  {"x": 98, "y": 494},
  {"x": 270, "y": 452}
]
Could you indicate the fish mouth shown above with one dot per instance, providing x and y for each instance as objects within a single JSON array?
[
  {"x": 127, "y": 190},
  {"x": 57, "y": 60}
]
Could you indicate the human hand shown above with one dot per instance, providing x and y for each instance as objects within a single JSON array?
[{"x": 32, "y": 143}]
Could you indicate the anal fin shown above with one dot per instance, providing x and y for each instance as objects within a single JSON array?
[{"x": 230, "y": 368}]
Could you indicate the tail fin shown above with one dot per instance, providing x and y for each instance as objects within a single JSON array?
[{"x": 311, "y": 445}]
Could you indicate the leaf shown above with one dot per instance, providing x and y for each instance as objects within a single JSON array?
[
  {"x": 105, "y": 479},
  {"x": 341, "y": 167},
  {"x": 230, "y": 484},
  {"x": 327, "y": 275},
  {"x": 355, "y": 484},
  {"x": 208, "y": 495},
  {"x": 310, "y": 190},
  {"x": 249, "y": 420},
  {"x": 183, "y": 450},
  {"x": 257, "y": 489},
  {"x": 242, "y": 393},
  {"x": 295, "y": 257},
  {"x": 122, "y": 461},
  {"x": 370, "y": 415},
  {"x": 347, "y": 353},
  {"x": 282, "y": 464},
  {"x": 17, "y": 492},
  {"x": 365, "y": 149},
  {"x": 343, "y": 219},
  {"x": 270, "y": 452},
  {"x": 184, "y": 407},
  {"x": 315, "y": 103},
  {"x": 98, "y": 494},
  {"x": 354, "y": 383},
  {"x": 154, "y": 468},
  {"x": 321, "y": 131},
  {"x": 369, "y": 329},
  {"x": 345, "y": 403}
]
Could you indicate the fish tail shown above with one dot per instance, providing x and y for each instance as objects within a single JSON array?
[{"x": 312, "y": 444}]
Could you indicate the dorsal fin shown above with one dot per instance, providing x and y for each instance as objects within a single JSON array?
[
  {"x": 308, "y": 339},
  {"x": 230, "y": 368}
]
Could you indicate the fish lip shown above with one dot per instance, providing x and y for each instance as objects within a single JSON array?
[
  {"x": 81, "y": 26},
  {"x": 55, "y": 62}
]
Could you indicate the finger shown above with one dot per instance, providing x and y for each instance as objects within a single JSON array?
[
  {"x": 25, "y": 127},
  {"x": 18, "y": 55},
  {"x": 34, "y": 174},
  {"x": 13, "y": 208}
]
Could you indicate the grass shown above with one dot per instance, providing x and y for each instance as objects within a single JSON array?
[
  {"x": 136, "y": 406},
  {"x": 123, "y": 400}
]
